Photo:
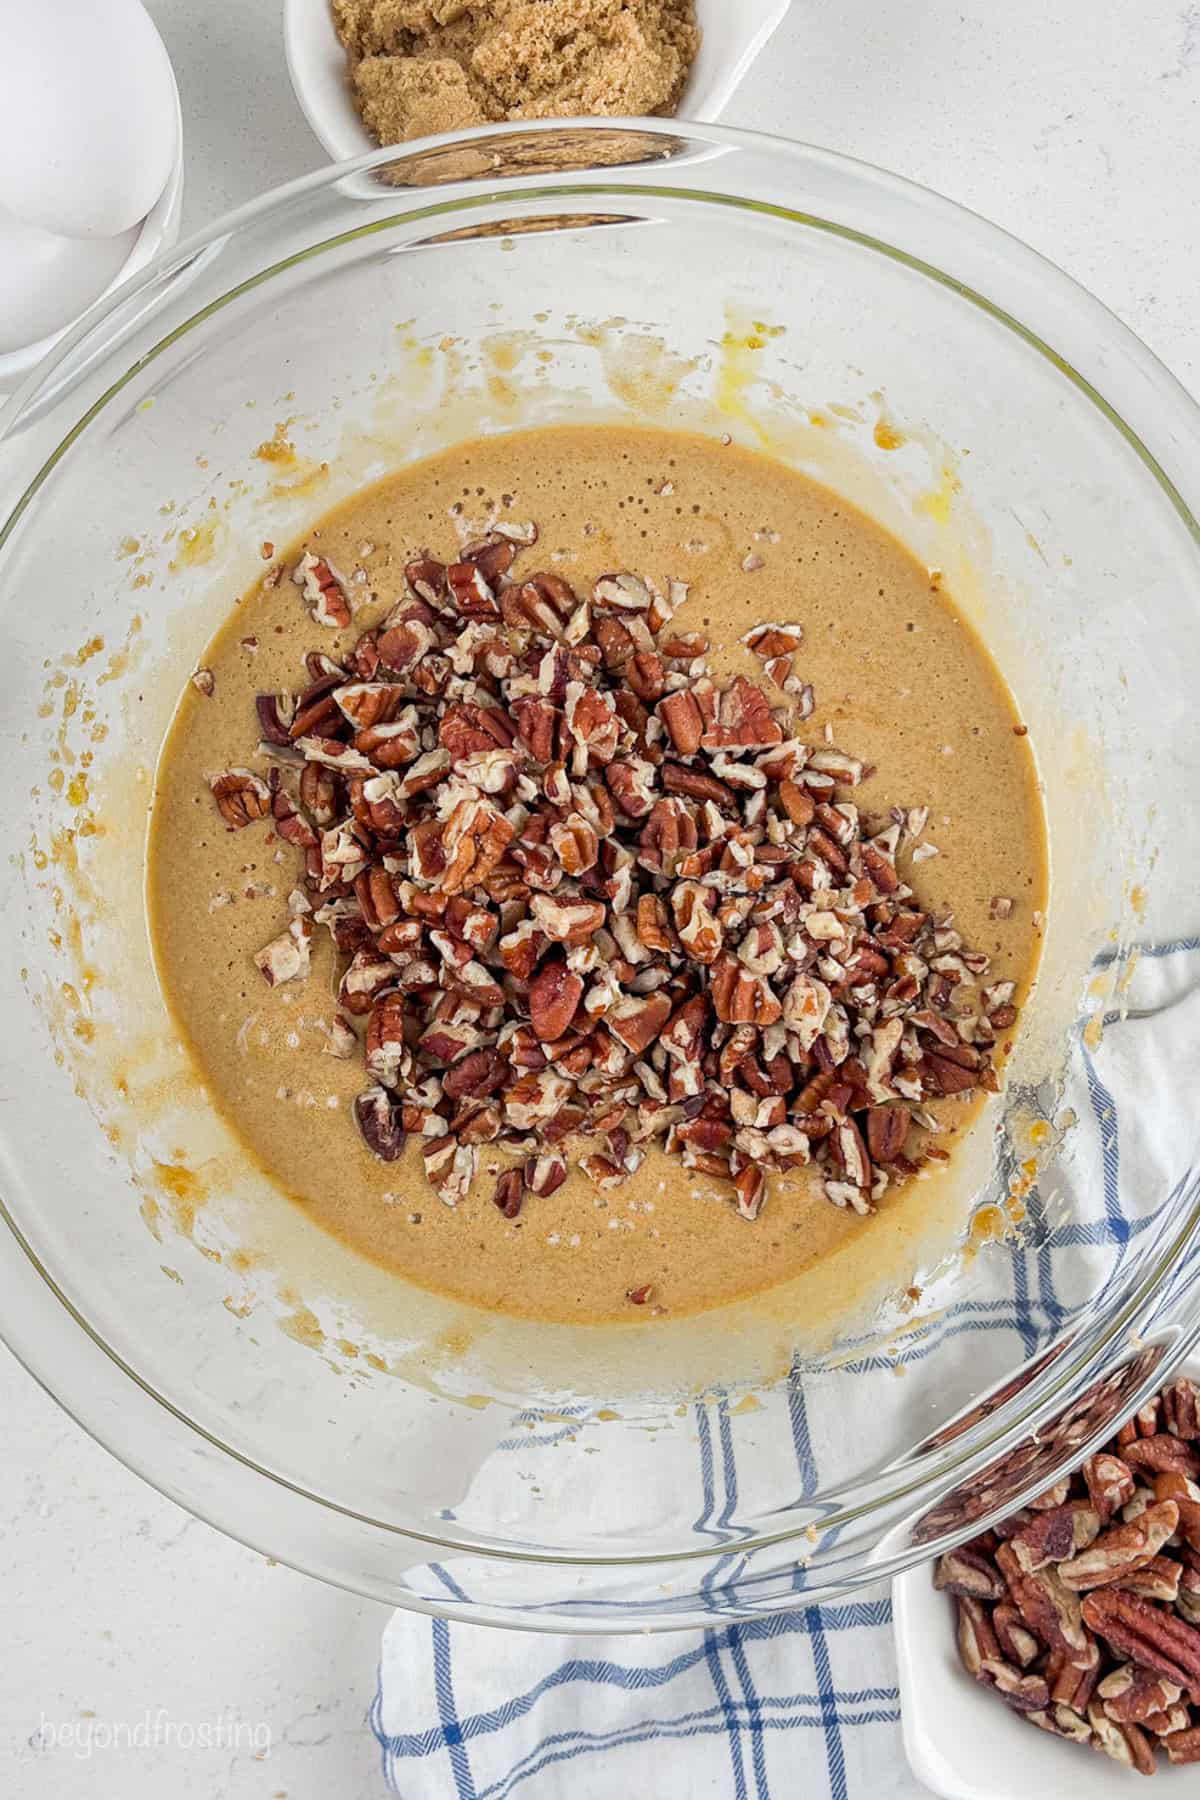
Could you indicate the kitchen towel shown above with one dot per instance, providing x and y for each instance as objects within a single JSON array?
[{"x": 803, "y": 1705}]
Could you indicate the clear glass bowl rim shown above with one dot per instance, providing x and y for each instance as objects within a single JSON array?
[{"x": 1135, "y": 395}]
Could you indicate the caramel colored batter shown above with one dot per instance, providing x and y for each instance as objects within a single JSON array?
[{"x": 900, "y": 680}]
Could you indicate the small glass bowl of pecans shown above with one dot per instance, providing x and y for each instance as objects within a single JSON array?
[{"x": 1079, "y": 1614}]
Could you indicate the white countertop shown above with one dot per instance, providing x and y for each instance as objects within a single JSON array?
[{"x": 1075, "y": 126}]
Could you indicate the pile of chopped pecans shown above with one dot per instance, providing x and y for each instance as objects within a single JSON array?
[
  {"x": 587, "y": 900},
  {"x": 1082, "y": 1611}
]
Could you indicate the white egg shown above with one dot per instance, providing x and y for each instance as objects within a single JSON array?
[
  {"x": 88, "y": 124},
  {"x": 46, "y": 281}
]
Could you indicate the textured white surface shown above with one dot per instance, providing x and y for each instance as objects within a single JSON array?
[{"x": 1077, "y": 128}]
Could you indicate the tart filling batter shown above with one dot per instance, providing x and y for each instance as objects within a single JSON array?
[{"x": 906, "y": 736}]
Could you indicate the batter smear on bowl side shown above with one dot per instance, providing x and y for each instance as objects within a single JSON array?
[{"x": 596, "y": 871}]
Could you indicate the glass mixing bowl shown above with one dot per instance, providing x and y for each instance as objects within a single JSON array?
[{"x": 1017, "y": 438}]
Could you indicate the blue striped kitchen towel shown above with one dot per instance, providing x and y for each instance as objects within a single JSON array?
[{"x": 803, "y": 1705}]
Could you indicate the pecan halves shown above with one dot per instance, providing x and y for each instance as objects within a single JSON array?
[
  {"x": 1147, "y": 1635},
  {"x": 970, "y": 1572},
  {"x": 1121, "y": 1551},
  {"x": 1163, "y": 1454},
  {"x": 1131, "y": 1695},
  {"x": 977, "y": 1644},
  {"x": 1181, "y": 1408},
  {"x": 1049, "y": 1608},
  {"x": 1126, "y": 1744},
  {"x": 1052, "y": 1536},
  {"x": 1110, "y": 1483},
  {"x": 1183, "y": 1746}
]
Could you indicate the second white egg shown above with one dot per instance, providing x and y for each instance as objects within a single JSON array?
[{"x": 89, "y": 122}]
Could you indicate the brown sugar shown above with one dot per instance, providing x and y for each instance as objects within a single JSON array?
[{"x": 423, "y": 66}]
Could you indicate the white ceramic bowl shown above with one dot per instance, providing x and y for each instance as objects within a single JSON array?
[
  {"x": 734, "y": 33},
  {"x": 159, "y": 231},
  {"x": 963, "y": 1742}
]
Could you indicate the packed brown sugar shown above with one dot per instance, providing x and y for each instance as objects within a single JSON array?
[
  {"x": 897, "y": 678},
  {"x": 418, "y": 67}
]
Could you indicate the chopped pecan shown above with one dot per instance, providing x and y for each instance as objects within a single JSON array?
[
  {"x": 1185, "y": 1494},
  {"x": 638, "y": 1021},
  {"x": 471, "y": 591},
  {"x": 653, "y": 924},
  {"x": 668, "y": 834},
  {"x": 630, "y": 783},
  {"x": 377, "y": 1115},
  {"x": 554, "y": 996},
  {"x": 287, "y": 957},
  {"x": 744, "y": 720},
  {"x": 366, "y": 976},
  {"x": 545, "y": 1174},
  {"x": 569, "y": 870},
  {"x": 324, "y": 589},
  {"x": 887, "y": 1132},
  {"x": 567, "y": 921},
  {"x": 494, "y": 555},
  {"x": 275, "y": 715},
  {"x": 740, "y": 998},
  {"x": 449, "y": 1167},
  {"x": 389, "y": 1060},
  {"x": 592, "y": 723},
  {"x": 694, "y": 784},
  {"x": 241, "y": 796},
  {"x": 645, "y": 675},
  {"x": 616, "y": 644},
  {"x": 696, "y": 922},
  {"x": 476, "y": 1076},
  {"x": 622, "y": 593},
  {"x": 289, "y": 824},
  {"x": 1072, "y": 1679},
  {"x": 509, "y": 1192},
  {"x": 575, "y": 843},
  {"x": 1054, "y": 1497},
  {"x": 770, "y": 641},
  {"x": 1062, "y": 1722},
  {"x": 474, "y": 838},
  {"x": 681, "y": 715}
]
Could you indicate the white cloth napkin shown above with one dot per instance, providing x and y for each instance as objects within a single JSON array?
[{"x": 804, "y": 1705}]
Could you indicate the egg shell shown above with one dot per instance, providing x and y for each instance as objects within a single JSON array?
[
  {"x": 88, "y": 125},
  {"x": 46, "y": 281}
]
